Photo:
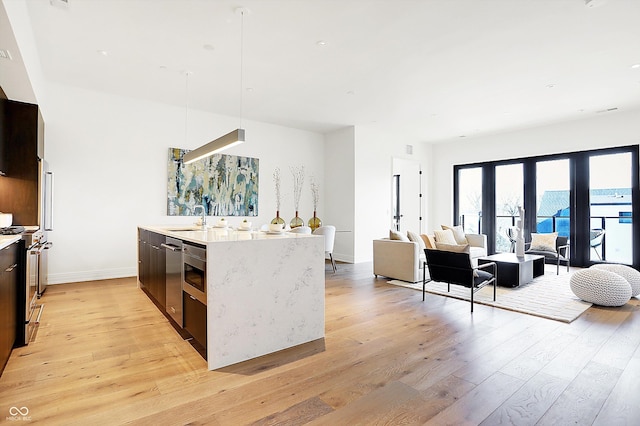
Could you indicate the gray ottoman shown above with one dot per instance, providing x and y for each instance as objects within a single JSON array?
[
  {"x": 627, "y": 272},
  {"x": 600, "y": 287}
]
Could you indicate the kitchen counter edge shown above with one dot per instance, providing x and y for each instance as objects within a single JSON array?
[
  {"x": 7, "y": 240},
  {"x": 211, "y": 235}
]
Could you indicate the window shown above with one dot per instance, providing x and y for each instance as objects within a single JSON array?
[
  {"x": 624, "y": 217},
  {"x": 581, "y": 195}
]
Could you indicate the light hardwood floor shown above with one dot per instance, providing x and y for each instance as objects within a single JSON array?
[{"x": 105, "y": 355}]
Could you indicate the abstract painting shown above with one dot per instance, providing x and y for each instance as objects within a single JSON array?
[{"x": 226, "y": 185}]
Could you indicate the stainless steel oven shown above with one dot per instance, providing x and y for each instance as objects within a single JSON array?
[{"x": 194, "y": 271}]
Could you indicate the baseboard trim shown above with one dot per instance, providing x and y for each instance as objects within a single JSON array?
[{"x": 104, "y": 274}]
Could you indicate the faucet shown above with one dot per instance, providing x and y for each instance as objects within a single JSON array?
[{"x": 204, "y": 218}]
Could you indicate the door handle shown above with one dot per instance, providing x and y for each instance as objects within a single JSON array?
[
  {"x": 170, "y": 247},
  {"x": 11, "y": 268}
]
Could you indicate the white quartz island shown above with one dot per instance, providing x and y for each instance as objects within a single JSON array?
[{"x": 265, "y": 293}]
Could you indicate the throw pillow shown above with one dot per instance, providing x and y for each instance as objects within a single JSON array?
[
  {"x": 445, "y": 236},
  {"x": 429, "y": 241},
  {"x": 544, "y": 242},
  {"x": 416, "y": 238},
  {"x": 395, "y": 235},
  {"x": 456, "y": 248},
  {"x": 458, "y": 233}
]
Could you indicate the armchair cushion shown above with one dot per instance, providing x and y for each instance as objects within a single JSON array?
[{"x": 456, "y": 248}]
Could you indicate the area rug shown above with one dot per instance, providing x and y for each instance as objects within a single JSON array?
[{"x": 548, "y": 296}]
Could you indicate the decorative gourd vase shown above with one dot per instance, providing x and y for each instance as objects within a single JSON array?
[
  {"x": 314, "y": 222},
  {"x": 520, "y": 246},
  {"x": 277, "y": 219},
  {"x": 296, "y": 221},
  {"x": 519, "y": 241}
]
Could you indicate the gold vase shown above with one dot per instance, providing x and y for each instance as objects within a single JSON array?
[
  {"x": 296, "y": 221},
  {"x": 277, "y": 219},
  {"x": 314, "y": 222}
]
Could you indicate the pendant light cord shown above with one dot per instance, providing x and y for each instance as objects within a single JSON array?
[
  {"x": 241, "y": 62},
  {"x": 186, "y": 105}
]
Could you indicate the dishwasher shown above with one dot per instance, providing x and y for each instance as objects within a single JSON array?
[{"x": 173, "y": 248}]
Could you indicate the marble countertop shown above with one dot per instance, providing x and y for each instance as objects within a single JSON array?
[
  {"x": 6, "y": 240},
  {"x": 198, "y": 235}
]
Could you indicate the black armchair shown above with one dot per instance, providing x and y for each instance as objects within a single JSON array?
[
  {"x": 456, "y": 268},
  {"x": 561, "y": 255}
]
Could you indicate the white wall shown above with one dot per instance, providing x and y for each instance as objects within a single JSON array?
[
  {"x": 375, "y": 149},
  {"x": 339, "y": 202},
  {"x": 110, "y": 154},
  {"x": 609, "y": 130}
]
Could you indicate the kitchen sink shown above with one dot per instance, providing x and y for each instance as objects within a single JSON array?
[{"x": 184, "y": 228}]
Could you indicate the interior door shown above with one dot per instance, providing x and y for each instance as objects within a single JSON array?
[{"x": 409, "y": 198}]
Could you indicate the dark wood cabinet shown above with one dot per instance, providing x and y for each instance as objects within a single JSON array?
[
  {"x": 3, "y": 154},
  {"x": 151, "y": 266},
  {"x": 22, "y": 143},
  {"x": 9, "y": 268},
  {"x": 143, "y": 257},
  {"x": 195, "y": 318},
  {"x": 157, "y": 269}
]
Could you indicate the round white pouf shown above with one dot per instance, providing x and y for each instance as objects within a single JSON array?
[
  {"x": 600, "y": 287},
  {"x": 627, "y": 272}
]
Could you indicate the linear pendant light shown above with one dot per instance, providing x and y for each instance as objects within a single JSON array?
[
  {"x": 223, "y": 142},
  {"x": 233, "y": 138}
]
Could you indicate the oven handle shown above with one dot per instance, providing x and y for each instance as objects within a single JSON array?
[
  {"x": 170, "y": 247},
  {"x": 37, "y": 249}
]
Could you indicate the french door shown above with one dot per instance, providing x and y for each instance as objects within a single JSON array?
[{"x": 589, "y": 196}]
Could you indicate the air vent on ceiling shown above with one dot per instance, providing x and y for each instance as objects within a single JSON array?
[
  {"x": 59, "y": 3},
  {"x": 594, "y": 3},
  {"x": 5, "y": 54}
]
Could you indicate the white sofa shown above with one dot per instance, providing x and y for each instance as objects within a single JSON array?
[{"x": 402, "y": 260}]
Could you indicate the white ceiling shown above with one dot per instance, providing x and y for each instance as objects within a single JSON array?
[{"x": 438, "y": 68}]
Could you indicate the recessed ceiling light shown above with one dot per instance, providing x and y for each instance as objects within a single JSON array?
[
  {"x": 208, "y": 47},
  {"x": 635, "y": 66},
  {"x": 103, "y": 52},
  {"x": 249, "y": 89},
  {"x": 550, "y": 86},
  {"x": 321, "y": 43},
  {"x": 607, "y": 110},
  {"x": 351, "y": 92}
]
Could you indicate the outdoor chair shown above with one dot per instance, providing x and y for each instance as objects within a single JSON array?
[
  {"x": 456, "y": 268},
  {"x": 596, "y": 236}
]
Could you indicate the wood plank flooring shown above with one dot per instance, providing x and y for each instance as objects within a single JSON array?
[{"x": 105, "y": 355}]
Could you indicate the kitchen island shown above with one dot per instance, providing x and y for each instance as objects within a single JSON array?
[{"x": 264, "y": 293}]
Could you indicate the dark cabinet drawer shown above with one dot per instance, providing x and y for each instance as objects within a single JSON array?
[{"x": 195, "y": 318}]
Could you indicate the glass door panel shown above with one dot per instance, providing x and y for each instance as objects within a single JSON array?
[
  {"x": 470, "y": 199},
  {"x": 611, "y": 237},
  {"x": 509, "y": 196},
  {"x": 553, "y": 197}
]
